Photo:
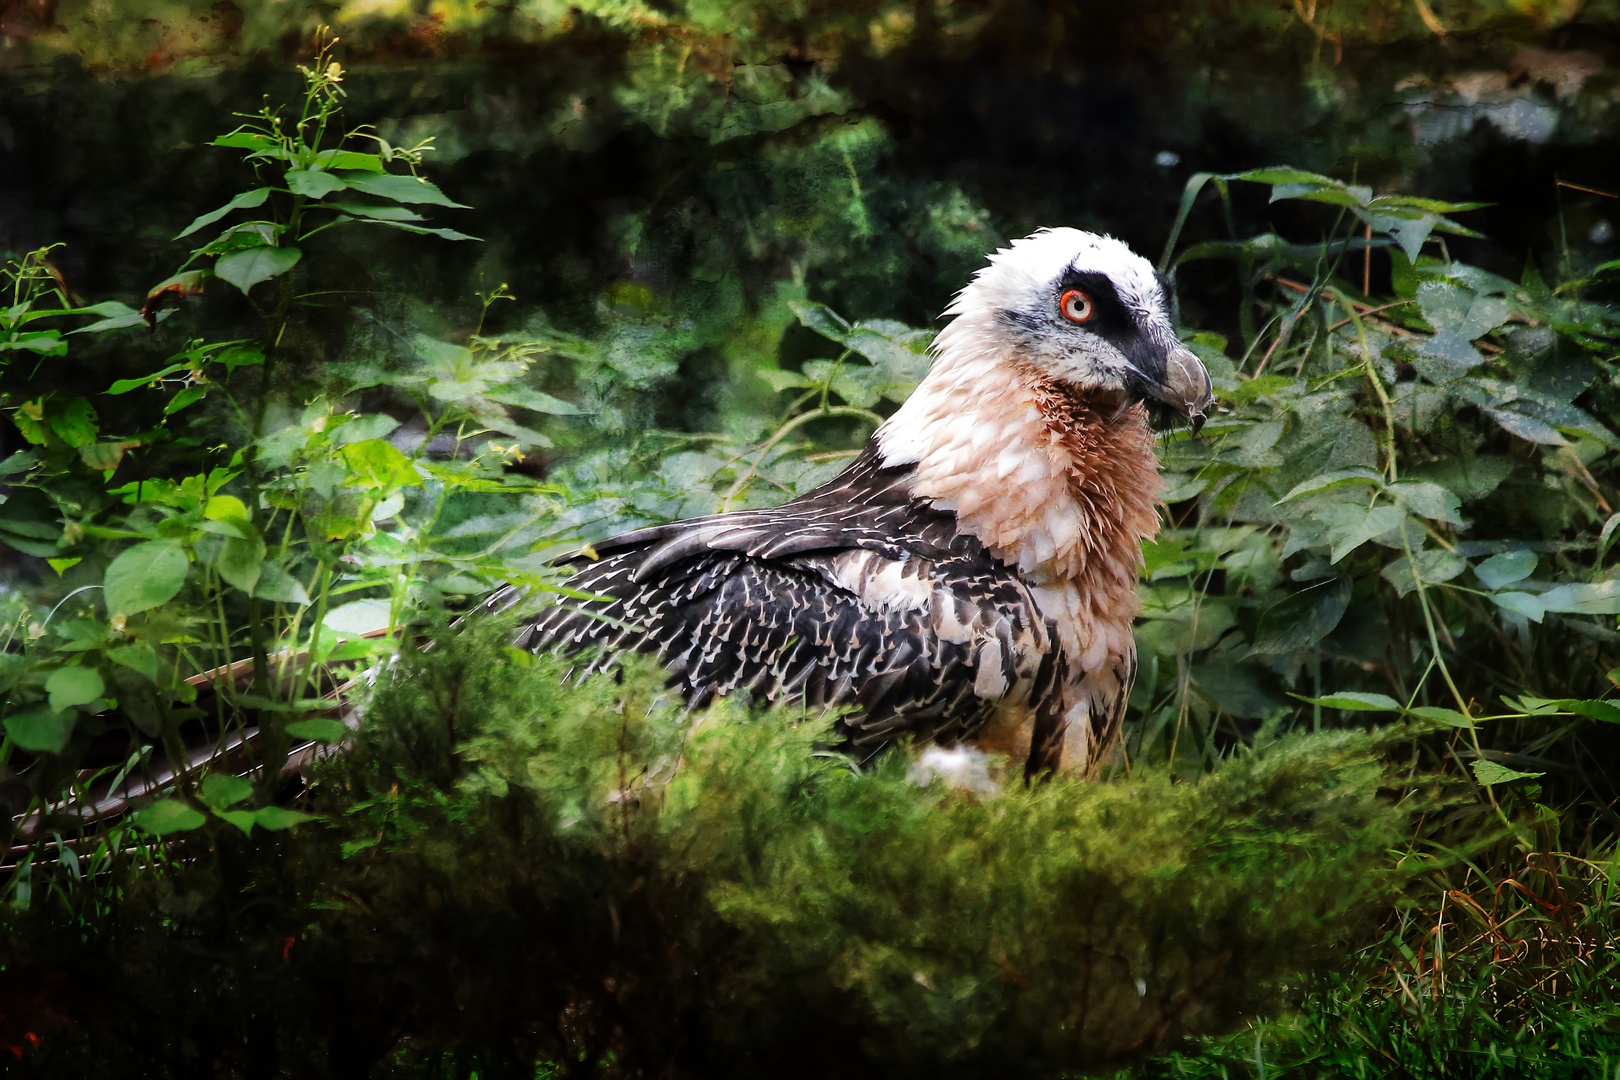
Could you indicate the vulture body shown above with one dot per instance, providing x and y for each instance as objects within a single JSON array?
[{"x": 971, "y": 576}]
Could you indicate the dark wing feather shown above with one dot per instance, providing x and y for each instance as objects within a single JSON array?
[{"x": 762, "y": 602}]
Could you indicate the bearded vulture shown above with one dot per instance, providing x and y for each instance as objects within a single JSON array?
[{"x": 971, "y": 577}]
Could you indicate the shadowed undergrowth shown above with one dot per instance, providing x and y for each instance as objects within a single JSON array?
[{"x": 507, "y": 873}]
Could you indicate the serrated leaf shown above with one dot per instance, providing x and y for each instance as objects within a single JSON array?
[
  {"x": 245, "y": 269},
  {"x": 245, "y": 201},
  {"x": 168, "y": 816},
  {"x": 145, "y": 576},
  {"x": 1606, "y": 711},
  {"x": 1448, "y": 717},
  {"x": 1489, "y": 773},
  {"x": 321, "y": 729},
  {"x": 76, "y": 685},
  {"x": 1506, "y": 568},
  {"x": 398, "y": 187},
  {"x": 42, "y": 730},
  {"x": 1355, "y": 701}
]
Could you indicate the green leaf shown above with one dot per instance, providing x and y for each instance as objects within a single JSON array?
[
  {"x": 1434, "y": 567},
  {"x": 245, "y": 269},
  {"x": 1605, "y": 538},
  {"x": 377, "y": 463},
  {"x": 398, "y": 187},
  {"x": 276, "y": 818},
  {"x": 227, "y": 508},
  {"x": 241, "y": 819},
  {"x": 1428, "y": 500},
  {"x": 276, "y": 584},
  {"x": 1355, "y": 701},
  {"x": 422, "y": 230},
  {"x": 249, "y": 140},
  {"x": 41, "y": 729},
  {"x": 359, "y": 617},
  {"x": 145, "y": 576},
  {"x": 1506, "y": 568},
  {"x": 321, "y": 728},
  {"x": 114, "y": 316},
  {"x": 124, "y": 386},
  {"x": 1607, "y": 711},
  {"x": 349, "y": 159},
  {"x": 245, "y": 201},
  {"x": 138, "y": 656},
  {"x": 1448, "y": 717},
  {"x": 62, "y": 566},
  {"x": 380, "y": 212},
  {"x": 168, "y": 816},
  {"x": 1360, "y": 528},
  {"x": 21, "y": 461},
  {"x": 1521, "y": 603},
  {"x": 220, "y": 790},
  {"x": 188, "y": 395},
  {"x": 1601, "y": 598},
  {"x": 241, "y": 561},
  {"x": 250, "y": 234},
  {"x": 785, "y": 380},
  {"x": 822, "y": 319},
  {"x": 535, "y": 401},
  {"x": 1337, "y": 478},
  {"x": 312, "y": 184},
  {"x": 72, "y": 686},
  {"x": 1489, "y": 773},
  {"x": 1303, "y": 618}
]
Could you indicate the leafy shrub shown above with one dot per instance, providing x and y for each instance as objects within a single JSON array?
[{"x": 511, "y": 871}]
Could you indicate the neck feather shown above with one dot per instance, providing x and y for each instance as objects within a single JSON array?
[{"x": 1059, "y": 483}]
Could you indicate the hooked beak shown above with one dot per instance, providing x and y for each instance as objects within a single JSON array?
[{"x": 1186, "y": 387}]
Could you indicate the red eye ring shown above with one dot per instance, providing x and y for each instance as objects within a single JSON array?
[{"x": 1076, "y": 306}]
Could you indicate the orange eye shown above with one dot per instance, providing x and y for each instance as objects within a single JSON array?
[{"x": 1075, "y": 305}]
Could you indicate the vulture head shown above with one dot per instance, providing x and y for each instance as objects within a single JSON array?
[{"x": 1086, "y": 311}]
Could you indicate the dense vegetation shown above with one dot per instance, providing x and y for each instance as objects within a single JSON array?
[{"x": 237, "y": 475}]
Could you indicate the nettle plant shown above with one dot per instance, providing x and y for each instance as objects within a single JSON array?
[
  {"x": 224, "y": 566},
  {"x": 1404, "y": 507}
]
